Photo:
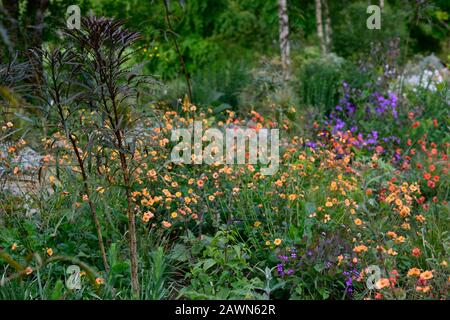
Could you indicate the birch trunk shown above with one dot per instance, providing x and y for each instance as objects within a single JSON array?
[
  {"x": 320, "y": 26},
  {"x": 328, "y": 31},
  {"x": 284, "y": 36}
]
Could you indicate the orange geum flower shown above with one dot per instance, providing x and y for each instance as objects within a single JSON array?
[
  {"x": 360, "y": 248},
  {"x": 405, "y": 211},
  {"x": 420, "y": 218},
  {"x": 423, "y": 289},
  {"x": 392, "y": 252},
  {"x": 166, "y": 224},
  {"x": 14, "y": 246},
  {"x": 147, "y": 216},
  {"x": 358, "y": 222},
  {"x": 277, "y": 242},
  {"x": 416, "y": 252},
  {"x": 400, "y": 239},
  {"x": 333, "y": 186},
  {"x": 426, "y": 275},
  {"x": 406, "y": 226},
  {"x": 391, "y": 234},
  {"x": 382, "y": 283},
  {"x": 413, "y": 272},
  {"x": 49, "y": 252},
  {"x": 292, "y": 197}
]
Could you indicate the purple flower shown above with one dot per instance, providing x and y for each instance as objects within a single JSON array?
[{"x": 280, "y": 269}]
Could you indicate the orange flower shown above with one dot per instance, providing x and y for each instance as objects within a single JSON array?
[
  {"x": 14, "y": 246},
  {"x": 277, "y": 242},
  {"x": 427, "y": 176},
  {"x": 166, "y": 224},
  {"x": 392, "y": 252},
  {"x": 413, "y": 272},
  {"x": 405, "y": 211},
  {"x": 358, "y": 222},
  {"x": 99, "y": 281},
  {"x": 50, "y": 251},
  {"x": 147, "y": 216},
  {"x": 420, "y": 218},
  {"x": 391, "y": 234},
  {"x": 416, "y": 252},
  {"x": 360, "y": 248},
  {"x": 400, "y": 239},
  {"x": 333, "y": 186},
  {"x": 382, "y": 283},
  {"x": 424, "y": 289},
  {"x": 426, "y": 275}
]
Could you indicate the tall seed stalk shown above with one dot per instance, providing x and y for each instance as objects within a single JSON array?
[
  {"x": 105, "y": 47},
  {"x": 58, "y": 88}
]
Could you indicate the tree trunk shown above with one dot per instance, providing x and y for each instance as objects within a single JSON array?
[
  {"x": 34, "y": 28},
  {"x": 328, "y": 31},
  {"x": 381, "y": 4},
  {"x": 284, "y": 37},
  {"x": 11, "y": 24},
  {"x": 320, "y": 26}
]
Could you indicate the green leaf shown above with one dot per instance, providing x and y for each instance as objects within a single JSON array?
[{"x": 208, "y": 264}]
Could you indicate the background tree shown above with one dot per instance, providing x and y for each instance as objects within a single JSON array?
[
  {"x": 320, "y": 33},
  {"x": 284, "y": 36}
]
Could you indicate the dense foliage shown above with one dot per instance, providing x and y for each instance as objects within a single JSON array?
[{"x": 89, "y": 191}]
